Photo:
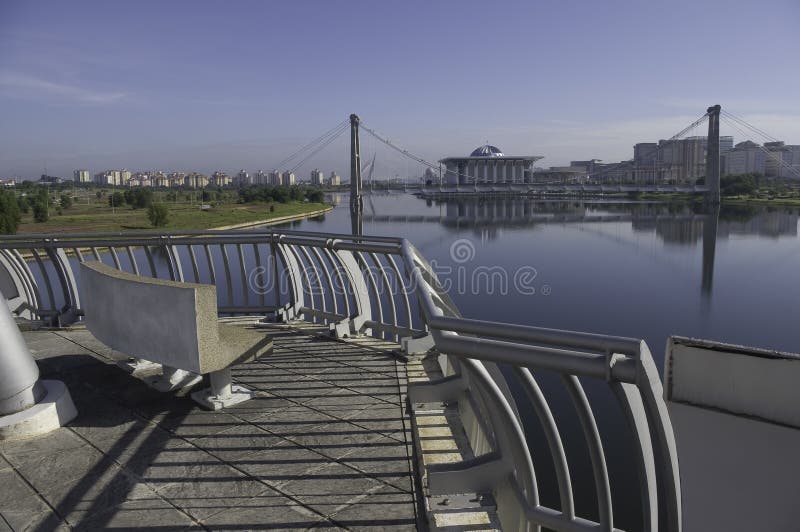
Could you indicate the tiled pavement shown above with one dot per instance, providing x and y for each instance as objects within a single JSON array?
[{"x": 324, "y": 445}]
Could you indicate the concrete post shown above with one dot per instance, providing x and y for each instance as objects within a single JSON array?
[
  {"x": 712, "y": 156},
  {"x": 19, "y": 375},
  {"x": 28, "y": 407}
]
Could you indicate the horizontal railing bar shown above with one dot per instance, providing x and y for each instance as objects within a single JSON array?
[
  {"x": 194, "y": 232},
  {"x": 547, "y": 358},
  {"x": 322, "y": 314},
  {"x": 580, "y": 340},
  {"x": 395, "y": 329},
  {"x": 240, "y": 309}
]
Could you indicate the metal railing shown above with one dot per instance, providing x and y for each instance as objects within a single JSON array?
[
  {"x": 384, "y": 287},
  {"x": 485, "y": 360}
]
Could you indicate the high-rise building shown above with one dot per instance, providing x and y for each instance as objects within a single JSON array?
[
  {"x": 260, "y": 178},
  {"x": 317, "y": 177},
  {"x": 108, "y": 177},
  {"x": 287, "y": 178},
  {"x": 242, "y": 179},
  {"x": 82, "y": 176},
  {"x": 275, "y": 178},
  {"x": 782, "y": 160},
  {"x": 220, "y": 179},
  {"x": 745, "y": 158},
  {"x": 334, "y": 180}
]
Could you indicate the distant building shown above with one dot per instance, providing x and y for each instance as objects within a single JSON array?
[
  {"x": 287, "y": 178},
  {"x": 124, "y": 176},
  {"x": 745, "y": 158},
  {"x": 317, "y": 177},
  {"x": 220, "y": 179},
  {"x": 242, "y": 179},
  {"x": 82, "y": 176},
  {"x": 260, "y": 178},
  {"x": 108, "y": 178},
  {"x": 487, "y": 164},
  {"x": 10, "y": 182},
  {"x": 334, "y": 180},
  {"x": 195, "y": 180},
  {"x": 275, "y": 178},
  {"x": 782, "y": 160}
]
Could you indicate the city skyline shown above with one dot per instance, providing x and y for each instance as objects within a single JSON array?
[{"x": 202, "y": 87}]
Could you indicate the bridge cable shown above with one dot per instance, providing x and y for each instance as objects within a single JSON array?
[
  {"x": 769, "y": 154},
  {"x": 322, "y": 146},
  {"x": 311, "y": 144},
  {"x": 655, "y": 151}
]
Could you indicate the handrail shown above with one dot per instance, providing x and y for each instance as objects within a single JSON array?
[
  {"x": 384, "y": 287},
  {"x": 625, "y": 365}
]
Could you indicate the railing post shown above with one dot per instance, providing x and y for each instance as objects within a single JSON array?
[{"x": 354, "y": 324}]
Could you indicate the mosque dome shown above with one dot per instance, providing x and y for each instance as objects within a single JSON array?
[{"x": 487, "y": 150}]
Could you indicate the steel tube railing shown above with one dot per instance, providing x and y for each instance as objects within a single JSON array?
[{"x": 351, "y": 298}]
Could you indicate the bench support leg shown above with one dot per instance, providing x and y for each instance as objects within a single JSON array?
[
  {"x": 222, "y": 393},
  {"x": 172, "y": 379}
]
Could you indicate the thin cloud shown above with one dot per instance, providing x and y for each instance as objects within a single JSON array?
[{"x": 25, "y": 85}]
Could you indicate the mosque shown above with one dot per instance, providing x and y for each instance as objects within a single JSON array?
[{"x": 488, "y": 165}]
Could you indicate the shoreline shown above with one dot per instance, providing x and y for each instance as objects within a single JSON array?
[{"x": 273, "y": 221}]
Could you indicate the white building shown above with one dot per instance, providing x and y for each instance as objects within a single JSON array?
[
  {"x": 334, "y": 180},
  {"x": 745, "y": 158},
  {"x": 287, "y": 178},
  {"x": 317, "y": 177},
  {"x": 260, "y": 178},
  {"x": 109, "y": 177},
  {"x": 82, "y": 176},
  {"x": 488, "y": 165},
  {"x": 275, "y": 178},
  {"x": 220, "y": 179}
]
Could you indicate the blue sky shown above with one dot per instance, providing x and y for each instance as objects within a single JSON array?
[{"x": 198, "y": 85}]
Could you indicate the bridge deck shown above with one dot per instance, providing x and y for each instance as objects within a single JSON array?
[{"x": 325, "y": 444}]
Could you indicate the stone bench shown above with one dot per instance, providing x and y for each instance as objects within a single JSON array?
[{"x": 173, "y": 324}]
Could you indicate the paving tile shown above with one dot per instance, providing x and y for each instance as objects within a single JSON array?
[
  {"x": 384, "y": 509},
  {"x": 238, "y": 442},
  {"x": 331, "y": 488},
  {"x": 20, "y": 506},
  {"x": 281, "y": 465},
  {"x": 204, "y": 497},
  {"x": 63, "y": 468},
  {"x": 58, "y": 441},
  {"x": 269, "y": 510},
  {"x": 136, "y": 515},
  {"x": 336, "y": 439}
]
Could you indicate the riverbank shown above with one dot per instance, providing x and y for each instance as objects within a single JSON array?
[{"x": 100, "y": 218}]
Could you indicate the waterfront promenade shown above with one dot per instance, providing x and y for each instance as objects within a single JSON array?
[{"x": 326, "y": 444}]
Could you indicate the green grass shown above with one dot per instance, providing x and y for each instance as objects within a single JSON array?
[{"x": 99, "y": 217}]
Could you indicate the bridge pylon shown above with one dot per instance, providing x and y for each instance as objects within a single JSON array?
[
  {"x": 356, "y": 201},
  {"x": 712, "y": 156}
]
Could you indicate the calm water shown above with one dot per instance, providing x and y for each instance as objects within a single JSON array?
[
  {"x": 641, "y": 270},
  {"x": 627, "y": 269}
]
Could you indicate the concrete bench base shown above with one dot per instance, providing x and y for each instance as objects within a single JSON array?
[
  {"x": 209, "y": 400},
  {"x": 52, "y": 412}
]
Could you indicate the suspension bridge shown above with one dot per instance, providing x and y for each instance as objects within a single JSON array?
[{"x": 458, "y": 182}]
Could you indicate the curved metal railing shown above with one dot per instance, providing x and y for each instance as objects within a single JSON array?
[
  {"x": 384, "y": 287},
  {"x": 476, "y": 352}
]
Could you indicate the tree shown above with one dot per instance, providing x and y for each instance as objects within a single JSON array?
[
  {"x": 9, "y": 213},
  {"x": 66, "y": 201},
  {"x": 158, "y": 214},
  {"x": 315, "y": 196},
  {"x": 117, "y": 199},
  {"x": 40, "y": 212}
]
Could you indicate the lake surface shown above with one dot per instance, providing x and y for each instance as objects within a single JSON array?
[
  {"x": 644, "y": 270},
  {"x": 629, "y": 269}
]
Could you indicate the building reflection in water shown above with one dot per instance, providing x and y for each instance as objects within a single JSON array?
[{"x": 672, "y": 223}]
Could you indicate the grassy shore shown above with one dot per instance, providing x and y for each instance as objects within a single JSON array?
[{"x": 98, "y": 217}]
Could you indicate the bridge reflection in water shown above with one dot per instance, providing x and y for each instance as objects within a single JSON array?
[{"x": 682, "y": 224}]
